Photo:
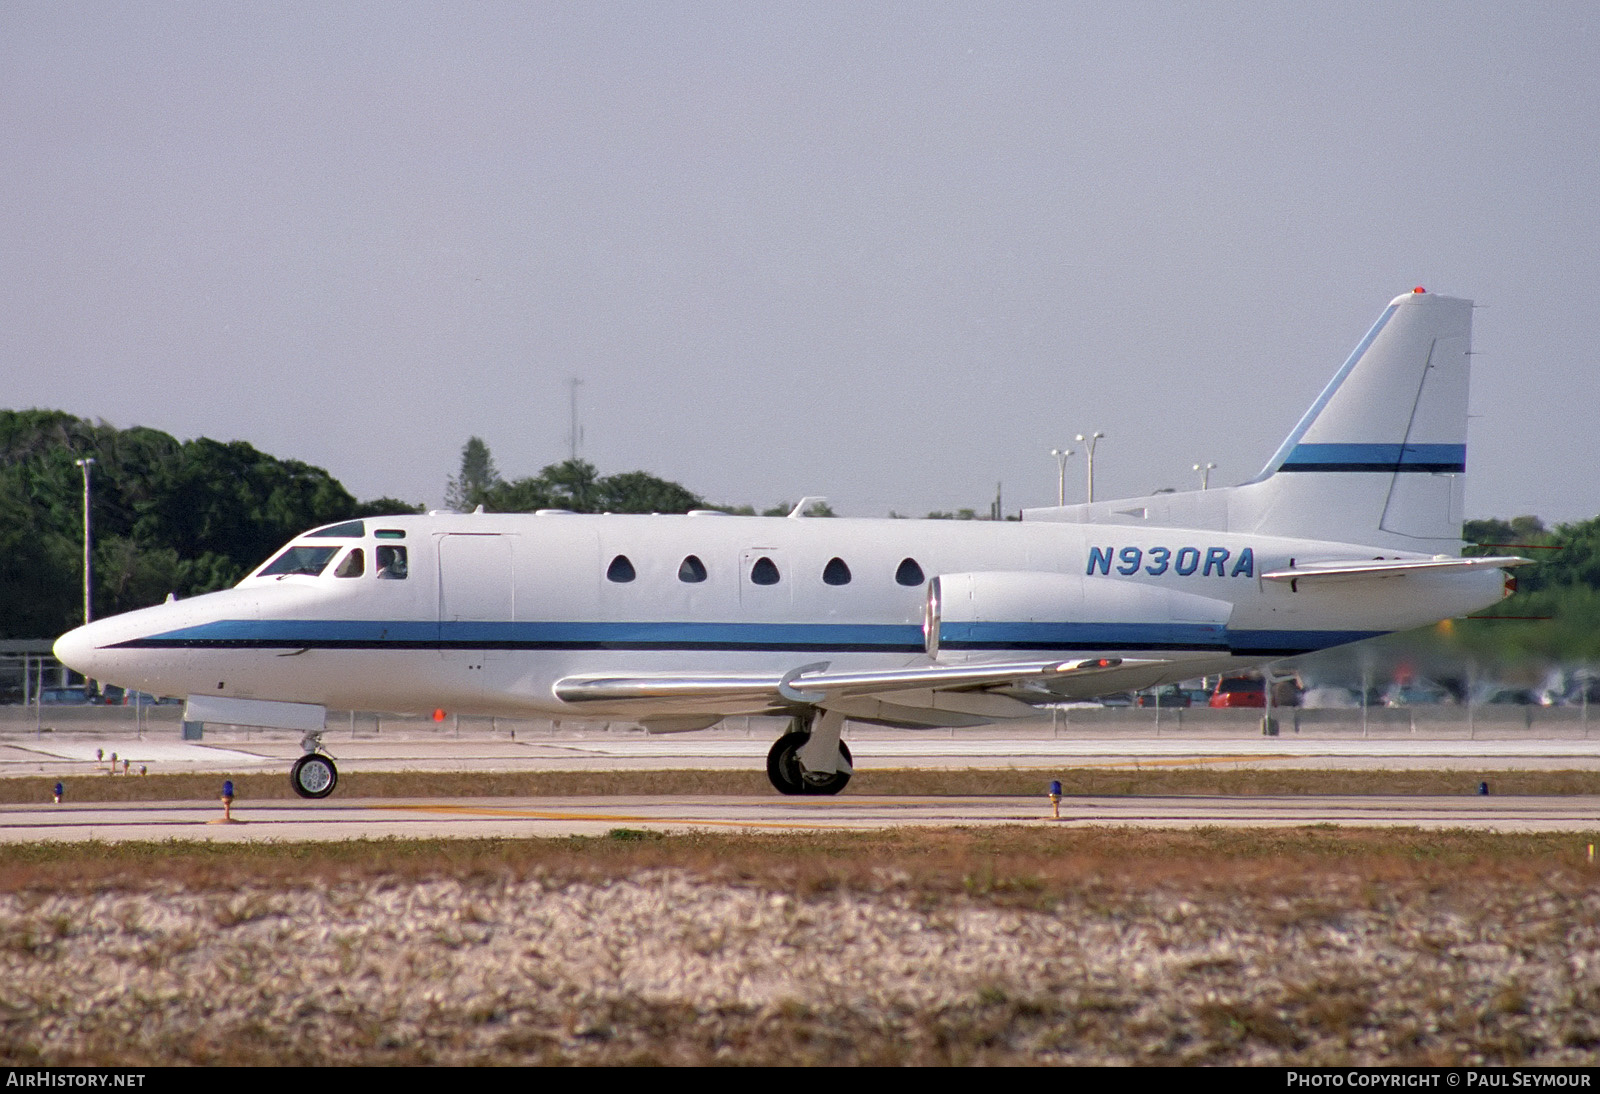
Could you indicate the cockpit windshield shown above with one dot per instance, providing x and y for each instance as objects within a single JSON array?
[{"x": 308, "y": 561}]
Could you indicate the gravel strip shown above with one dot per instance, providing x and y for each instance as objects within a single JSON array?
[{"x": 667, "y": 967}]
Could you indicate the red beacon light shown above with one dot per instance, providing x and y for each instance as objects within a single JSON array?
[{"x": 1419, "y": 289}]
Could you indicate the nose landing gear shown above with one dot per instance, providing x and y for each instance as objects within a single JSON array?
[{"x": 314, "y": 774}]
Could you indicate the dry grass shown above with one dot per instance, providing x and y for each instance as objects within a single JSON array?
[
  {"x": 1087, "y": 782},
  {"x": 1000, "y": 865}
]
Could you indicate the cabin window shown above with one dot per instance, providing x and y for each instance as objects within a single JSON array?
[
  {"x": 764, "y": 572},
  {"x": 692, "y": 570},
  {"x": 836, "y": 572},
  {"x": 620, "y": 570},
  {"x": 350, "y": 529},
  {"x": 305, "y": 561},
  {"x": 390, "y": 533},
  {"x": 909, "y": 572},
  {"x": 353, "y": 565},
  {"x": 392, "y": 563}
]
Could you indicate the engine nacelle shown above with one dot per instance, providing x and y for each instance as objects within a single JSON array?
[{"x": 1023, "y": 609}]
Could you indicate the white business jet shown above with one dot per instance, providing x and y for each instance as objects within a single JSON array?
[{"x": 1352, "y": 530}]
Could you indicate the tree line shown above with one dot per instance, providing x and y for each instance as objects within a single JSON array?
[{"x": 169, "y": 516}]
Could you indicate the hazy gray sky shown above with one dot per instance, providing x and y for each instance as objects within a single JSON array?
[{"x": 890, "y": 253}]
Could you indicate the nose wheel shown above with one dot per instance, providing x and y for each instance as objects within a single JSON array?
[{"x": 313, "y": 775}]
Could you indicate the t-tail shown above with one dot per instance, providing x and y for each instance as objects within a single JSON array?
[{"x": 1378, "y": 459}]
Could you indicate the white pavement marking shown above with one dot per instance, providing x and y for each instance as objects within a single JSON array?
[{"x": 140, "y": 751}]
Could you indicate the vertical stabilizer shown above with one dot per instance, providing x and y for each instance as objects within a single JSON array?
[{"x": 1380, "y": 457}]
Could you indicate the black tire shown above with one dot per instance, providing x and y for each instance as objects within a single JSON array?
[
  {"x": 314, "y": 776},
  {"x": 783, "y": 766},
  {"x": 830, "y": 784},
  {"x": 788, "y": 777}
]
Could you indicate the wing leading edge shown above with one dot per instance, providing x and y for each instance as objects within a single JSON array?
[{"x": 813, "y": 685}]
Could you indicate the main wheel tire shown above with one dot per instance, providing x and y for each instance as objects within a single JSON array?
[
  {"x": 788, "y": 776},
  {"x": 313, "y": 776},
  {"x": 783, "y": 766},
  {"x": 825, "y": 785}
]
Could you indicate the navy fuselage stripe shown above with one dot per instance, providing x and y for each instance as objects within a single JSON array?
[{"x": 735, "y": 637}]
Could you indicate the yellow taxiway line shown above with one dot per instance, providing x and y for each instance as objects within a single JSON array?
[{"x": 623, "y": 818}]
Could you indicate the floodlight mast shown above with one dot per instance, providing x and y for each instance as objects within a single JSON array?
[
  {"x": 1061, "y": 455},
  {"x": 1090, "y": 440}
]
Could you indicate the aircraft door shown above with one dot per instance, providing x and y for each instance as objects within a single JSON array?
[
  {"x": 475, "y": 583},
  {"x": 477, "y": 601}
]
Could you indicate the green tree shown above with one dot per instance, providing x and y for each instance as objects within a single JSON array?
[
  {"x": 577, "y": 485},
  {"x": 169, "y": 517},
  {"x": 573, "y": 484},
  {"x": 478, "y": 476},
  {"x": 642, "y": 492}
]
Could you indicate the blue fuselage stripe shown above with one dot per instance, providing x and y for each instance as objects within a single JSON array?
[{"x": 242, "y": 634}]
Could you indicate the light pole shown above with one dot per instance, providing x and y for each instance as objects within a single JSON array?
[
  {"x": 88, "y": 542},
  {"x": 1090, "y": 441},
  {"x": 1061, "y": 455},
  {"x": 1205, "y": 470}
]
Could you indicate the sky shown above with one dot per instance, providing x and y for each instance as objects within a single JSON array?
[{"x": 892, "y": 254}]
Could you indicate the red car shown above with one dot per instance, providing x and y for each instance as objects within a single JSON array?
[{"x": 1240, "y": 691}]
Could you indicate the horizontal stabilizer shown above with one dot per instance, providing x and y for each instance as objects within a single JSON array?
[{"x": 1359, "y": 569}]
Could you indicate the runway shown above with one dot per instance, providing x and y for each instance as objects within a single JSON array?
[
  {"x": 1036, "y": 747},
  {"x": 71, "y": 756},
  {"x": 551, "y": 817}
]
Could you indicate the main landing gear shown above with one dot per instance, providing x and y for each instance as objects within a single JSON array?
[
  {"x": 810, "y": 759},
  {"x": 313, "y": 775}
]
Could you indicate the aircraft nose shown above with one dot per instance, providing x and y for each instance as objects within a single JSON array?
[{"x": 76, "y": 650}]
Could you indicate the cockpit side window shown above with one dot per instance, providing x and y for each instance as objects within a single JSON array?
[
  {"x": 350, "y": 529},
  {"x": 354, "y": 564},
  {"x": 391, "y": 563},
  {"x": 303, "y": 560}
]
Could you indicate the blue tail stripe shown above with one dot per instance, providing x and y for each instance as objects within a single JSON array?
[{"x": 1388, "y": 458}]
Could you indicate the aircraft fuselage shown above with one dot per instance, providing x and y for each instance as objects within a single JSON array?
[{"x": 494, "y": 610}]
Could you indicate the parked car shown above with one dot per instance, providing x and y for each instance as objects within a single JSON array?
[
  {"x": 1330, "y": 697},
  {"x": 1169, "y": 697},
  {"x": 1504, "y": 695},
  {"x": 1417, "y": 692},
  {"x": 145, "y": 699},
  {"x": 1240, "y": 691},
  {"x": 1581, "y": 692},
  {"x": 74, "y": 696}
]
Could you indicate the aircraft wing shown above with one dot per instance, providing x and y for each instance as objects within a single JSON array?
[
  {"x": 813, "y": 684},
  {"x": 1360, "y": 569}
]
